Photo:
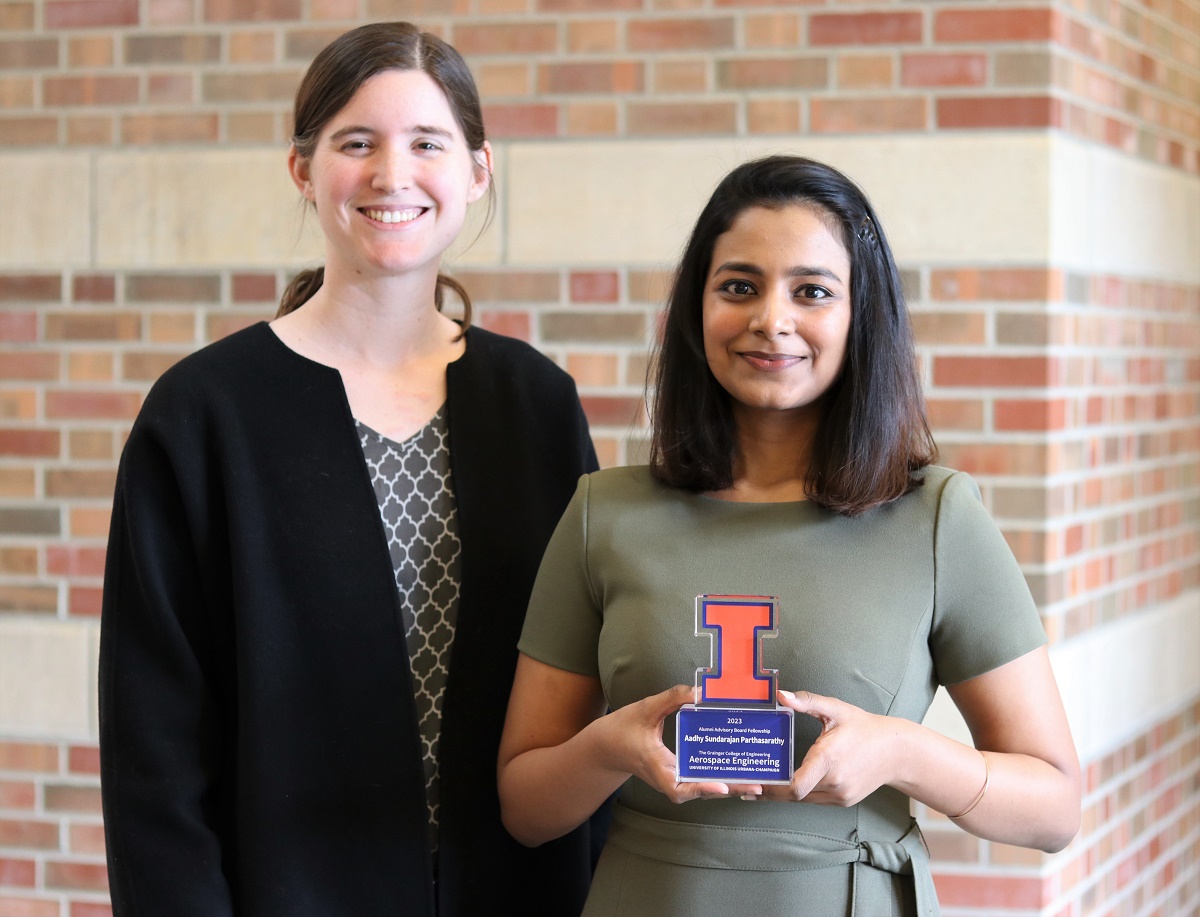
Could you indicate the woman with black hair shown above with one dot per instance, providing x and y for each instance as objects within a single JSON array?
[{"x": 791, "y": 458}]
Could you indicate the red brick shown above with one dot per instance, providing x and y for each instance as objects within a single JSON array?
[
  {"x": 659, "y": 118},
  {"x": 30, "y": 365},
  {"x": 94, "y": 288},
  {"x": 864, "y": 28},
  {"x": 60, "y": 91},
  {"x": 594, "y": 370},
  {"x": 28, "y": 131},
  {"x": 18, "y": 873},
  {"x": 1009, "y": 284},
  {"x": 89, "y": 522},
  {"x": 251, "y": 10},
  {"x": 86, "y": 839},
  {"x": 529, "y": 120},
  {"x": 595, "y": 286},
  {"x": 170, "y": 88},
  {"x": 773, "y": 73},
  {"x": 76, "y": 876},
  {"x": 18, "y": 327},
  {"x": 253, "y": 288},
  {"x": 28, "y": 833},
  {"x": 83, "y": 14},
  {"x": 149, "y": 130},
  {"x": 592, "y": 77},
  {"x": 83, "y": 759},
  {"x": 89, "y": 404},
  {"x": 30, "y": 288},
  {"x": 43, "y": 443},
  {"x": 613, "y": 411},
  {"x": 943, "y": 70},
  {"x": 513, "y": 324},
  {"x": 991, "y": 891},
  {"x": 999, "y": 111},
  {"x": 219, "y": 325},
  {"x": 680, "y": 34},
  {"x": 28, "y": 756},
  {"x": 28, "y": 54},
  {"x": 17, "y": 794},
  {"x": 1031, "y": 414},
  {"x": 955, "y": 414},
  {"x": 90, "y": 909},
  {"x": 992, "y": 372},
  {"x": 64, "y": 560},
  {"x": 84, "y": 601},
  {"x": 586, "y": 6},
  {"x": 28, "y": 907},
  {"x": 505, "y": 38},
  {"x": 893, "y": 113},
  {"x": 992, "y": 26}
]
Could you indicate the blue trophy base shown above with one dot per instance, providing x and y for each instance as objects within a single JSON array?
[{"x": 733, "y": 745}]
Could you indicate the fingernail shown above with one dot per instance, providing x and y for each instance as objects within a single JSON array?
[
  {"x": 790, "y": 695},
  {"x": 749, "y": 797}
]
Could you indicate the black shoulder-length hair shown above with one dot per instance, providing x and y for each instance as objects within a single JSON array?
[{"x": 873, "y": 434}]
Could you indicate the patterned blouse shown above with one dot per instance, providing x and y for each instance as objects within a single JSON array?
[{"x": 416, "y": 501}]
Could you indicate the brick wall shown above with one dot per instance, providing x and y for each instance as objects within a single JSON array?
[{"x": 1060, "y": 334}]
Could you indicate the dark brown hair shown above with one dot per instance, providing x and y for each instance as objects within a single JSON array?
[
  {"x": 873, "y": 434},
  {"x": 333, "y": 78}
]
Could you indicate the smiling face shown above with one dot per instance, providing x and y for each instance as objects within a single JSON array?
[
  {"x": 391, "y": 177},
  {"x": 776, "y": 313}
]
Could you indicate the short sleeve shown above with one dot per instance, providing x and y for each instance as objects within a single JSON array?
[
  {"x": 984, "y": 615},
  {"x": 562, "y": 626}
]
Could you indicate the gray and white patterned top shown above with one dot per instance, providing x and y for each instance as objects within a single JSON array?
[{"x": 416, "y": 502}]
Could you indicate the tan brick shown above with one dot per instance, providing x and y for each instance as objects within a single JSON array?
[
  {"x": 595, "y": 370},
  {"x": 585, "y": 6},
  {"x": 591, "y": 119},
  {"x": 525, "y": 120},
  {"x": 773, "y": 73},
  {"x": 76, "y": 876},
  {"x": 523, "y": 37},
  {"x": 28, "y": 53},
  {"x": 170, "y": 89},
  {"x": 16, "y": 92},
  {"x": 91, "y": 130},
  {"x": 142, "y": 130},
  {"x": 91, "y": 445},
  {"x": 771, "y": 31},
  {"x": 38, "y": 757},
  {"x": 650, "y": 286},
  {"x": 1023, "y": 68},
  {"x": 17, "y": 17},
  {"x": 689, "y": 76},
  {"x": 146, "y": 366},
  {"x": 333, "y": 9},
  {"x": 941, "y": 328},
  {"x": 184, "y": 48},
  {"x": 895, "y": 113},
  {"x": 773, "y": 116},
  {"x": 88, "y": 522},
  {"x": 866, "y": 71},
  {"x": 89, "y": 90},
  {"x": 89, "y": 404},
  {"x": 173, "y": 288},
  {"x": 36, "y": 366},
  {"x": 16, "y": 561},
  {"x": 91, "y": 51},
  {"x": 20, "y": 484},
  {"x": 93, "y": 326},
  {"x": 259, "y": 48},
  {"x": 699, "y": 117},
  {"x": 252, "y": 127},
  {"x": 511, "y": 286},
  {"x": 596, "y": 327},
  {"x": 172, "y": 328},
  {"x": 592, "y": 36},
  {"x": 221, "y": 325},
  {"x": 86, "y": 839},
  {"x": 73, "y": 483},
  {"x": 504, "y": 80},
  {"x": 250, "y": 86}
]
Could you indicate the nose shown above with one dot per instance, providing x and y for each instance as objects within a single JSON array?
[
  {"x": 773, "y": 316},
  {"x": 391, "y": 173}
]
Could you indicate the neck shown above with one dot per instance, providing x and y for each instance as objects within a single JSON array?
[{"x": 772, "y": 457}]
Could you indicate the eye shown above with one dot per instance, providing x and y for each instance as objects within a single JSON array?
[
  {"x": 427, "y": 146},
  {"x": 737, "y": 287},
  {"x": 812, "y": 291},
  {"x": 354, "y": 146}
]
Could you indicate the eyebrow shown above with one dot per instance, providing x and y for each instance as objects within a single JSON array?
[
  {"x": 744, "y": 267},
  {"x": 415, "y": 129}
]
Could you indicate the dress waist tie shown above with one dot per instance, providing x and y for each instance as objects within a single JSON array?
[{"x": 772, "y": 850}]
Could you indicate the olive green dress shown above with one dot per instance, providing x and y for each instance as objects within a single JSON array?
[{"x": 876, "y": 610}]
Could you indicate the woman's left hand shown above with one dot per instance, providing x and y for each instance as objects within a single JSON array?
[{"x": 854, "y": 756}]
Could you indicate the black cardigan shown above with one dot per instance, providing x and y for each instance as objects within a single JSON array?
[{"x": 258, "y": 739}]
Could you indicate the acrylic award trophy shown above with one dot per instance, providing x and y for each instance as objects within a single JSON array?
[{"x": 735, "y": 732}]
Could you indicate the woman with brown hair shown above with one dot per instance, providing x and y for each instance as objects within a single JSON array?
[
  {"x": 791, "y": 459},
  {"x": 324, "y": 536}
]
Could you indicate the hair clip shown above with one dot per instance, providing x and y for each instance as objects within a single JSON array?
[{"x": 866, "y": 232}]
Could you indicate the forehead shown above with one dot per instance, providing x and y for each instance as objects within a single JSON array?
[
  {"x": 397, "y": 100},
  {"x": 789, "y": 234}
]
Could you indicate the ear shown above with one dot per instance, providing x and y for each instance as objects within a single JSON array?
[
  {"x": 483, "y": 172},
  {"x": 298, "y": 168}
]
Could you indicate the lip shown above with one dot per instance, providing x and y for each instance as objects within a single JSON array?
[{"x": 771, "y": 362}]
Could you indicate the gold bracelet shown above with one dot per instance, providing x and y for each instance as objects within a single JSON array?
[{"x": 987, "y": 776}]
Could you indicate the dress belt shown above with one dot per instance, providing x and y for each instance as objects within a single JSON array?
[{"x": 772, "y": 850}]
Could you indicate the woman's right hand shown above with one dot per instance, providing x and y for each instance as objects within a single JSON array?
[{"x": 634, "y": 734}]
